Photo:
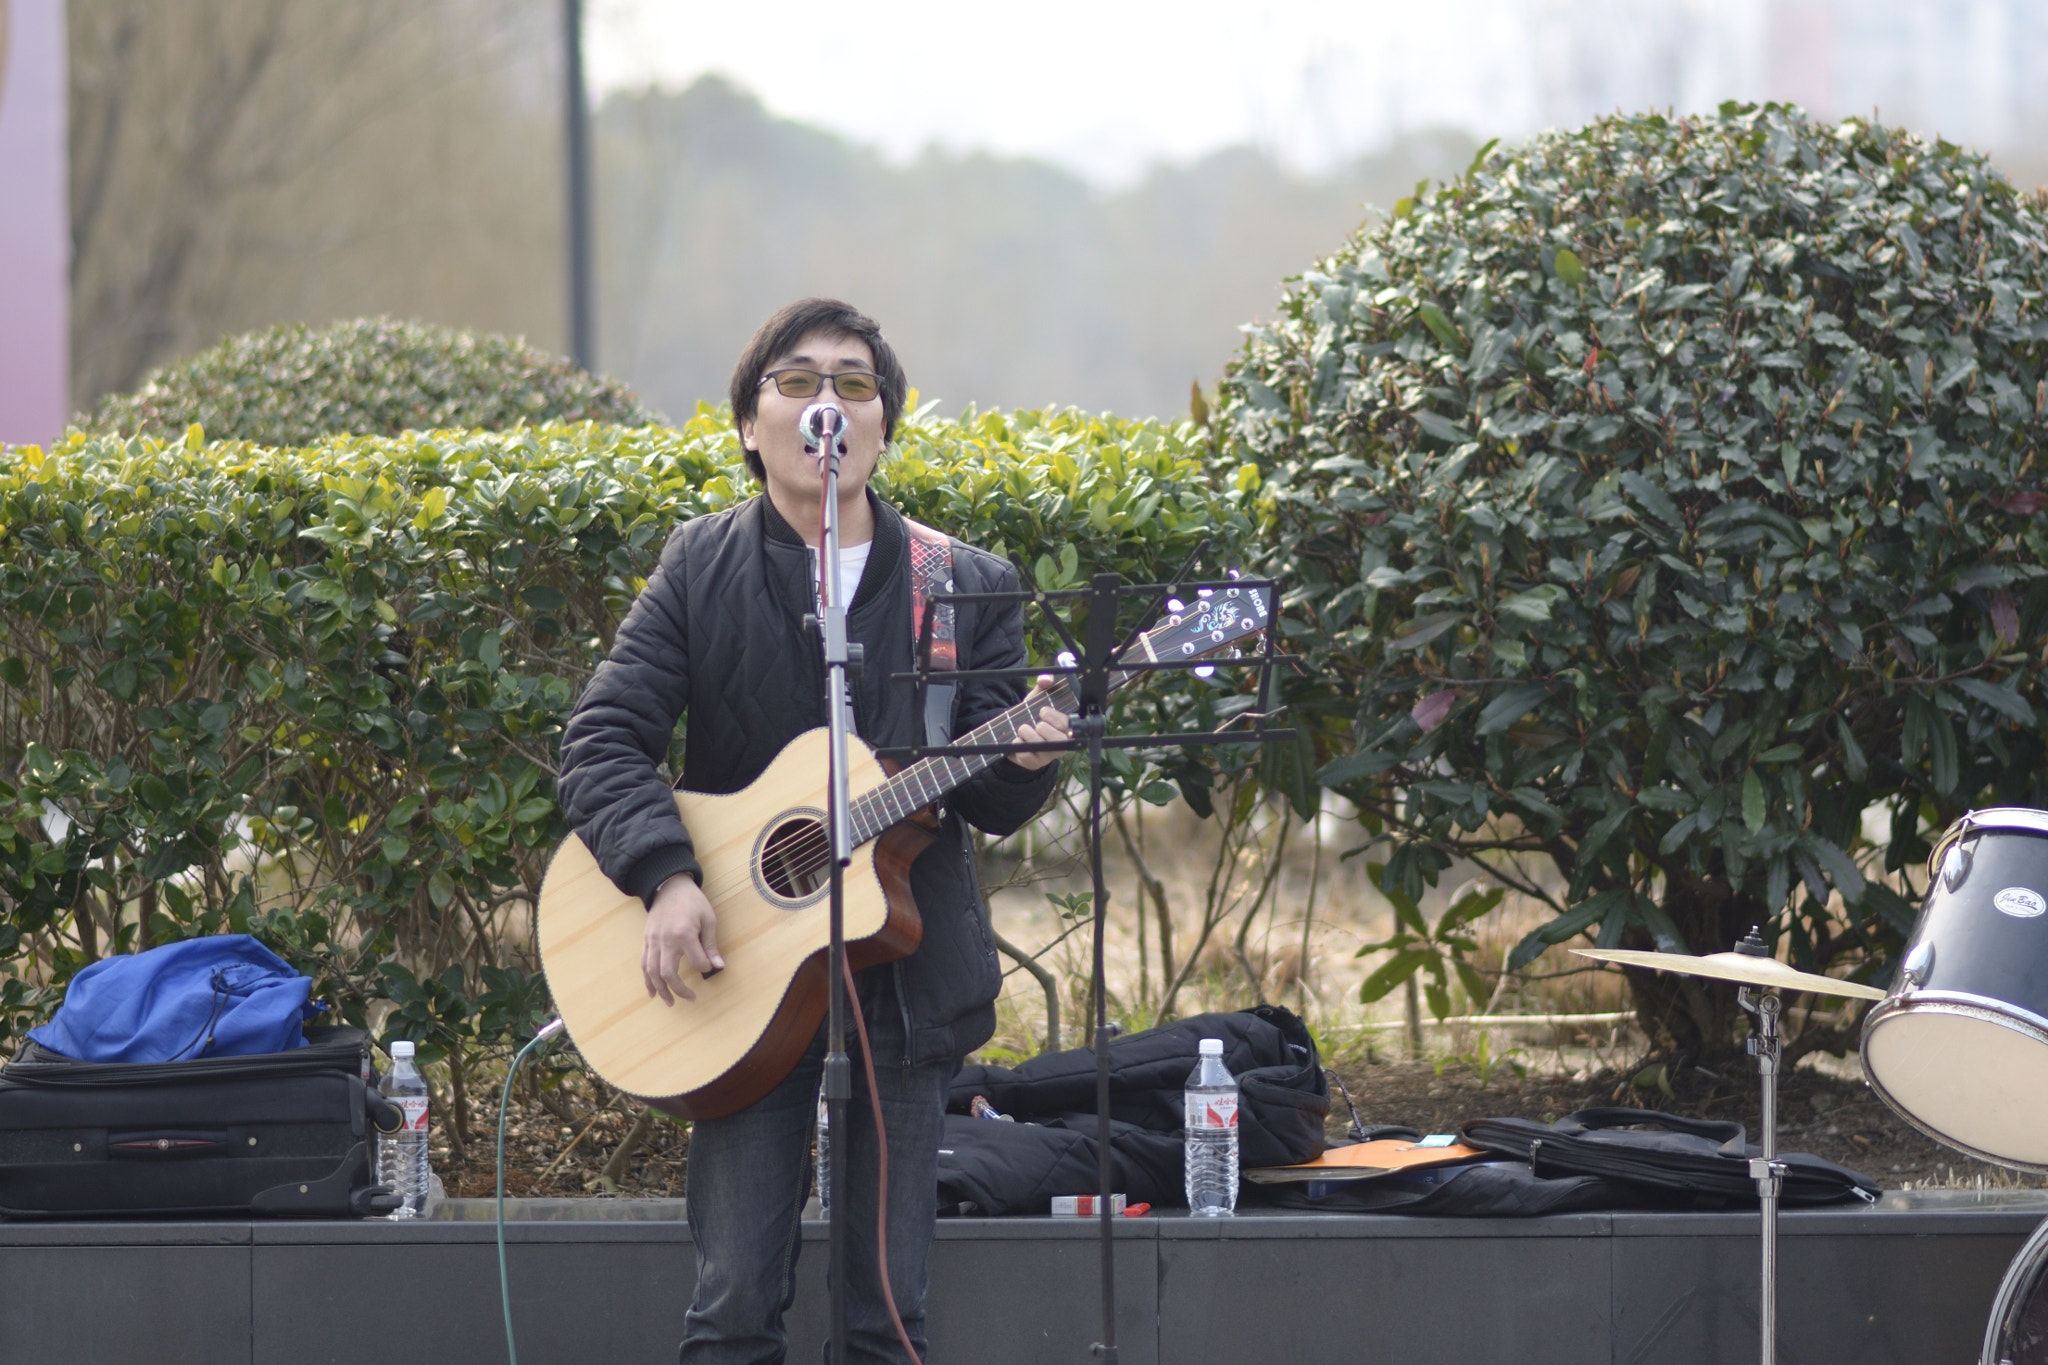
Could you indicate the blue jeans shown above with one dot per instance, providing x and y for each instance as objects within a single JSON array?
[{"x": 746, "y": 1190}]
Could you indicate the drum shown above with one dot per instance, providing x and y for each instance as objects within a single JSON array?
[
  {"x": 2017, "y": 1332},
  {"x": 1960, "y": 1046}
]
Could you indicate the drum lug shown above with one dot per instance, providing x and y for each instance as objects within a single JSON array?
[
  {"x": 1919, "y": 964},
  {"x": 1955, "y": 868}
]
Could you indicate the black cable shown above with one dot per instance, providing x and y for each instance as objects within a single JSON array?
[{"x": 547, "y": 1031}]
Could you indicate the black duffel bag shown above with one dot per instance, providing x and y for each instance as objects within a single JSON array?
[{"x": 1704, "y": 1162}]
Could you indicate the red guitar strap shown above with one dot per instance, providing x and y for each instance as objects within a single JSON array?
[{"x": 931, "y": 573}]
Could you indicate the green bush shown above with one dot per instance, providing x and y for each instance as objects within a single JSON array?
[
  {"x": 294, "y": 384},
  {"x": 1661, "y": 497},
  {"x": 316, "y": 694}
]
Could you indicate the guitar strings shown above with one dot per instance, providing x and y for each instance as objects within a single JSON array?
[{"x": 810, "y": 855}]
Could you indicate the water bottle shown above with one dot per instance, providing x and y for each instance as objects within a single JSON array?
[
  {"x": 402, "y": 1156},
  {"x": 824, "y": 1177},
  {"x": 1211, "y": 1135}
]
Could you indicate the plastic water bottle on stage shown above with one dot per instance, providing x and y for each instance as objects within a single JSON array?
[
  {"x": 402, "y": 1156},
  {"x": 1211, "y": 1135}
]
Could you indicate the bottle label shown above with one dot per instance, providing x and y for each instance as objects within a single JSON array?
[
  {"x": 414, "y": 1107},
  {"x": 1211, "y": 1111}
]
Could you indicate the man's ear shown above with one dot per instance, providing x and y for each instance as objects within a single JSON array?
[{"x": 747, "y": 436}]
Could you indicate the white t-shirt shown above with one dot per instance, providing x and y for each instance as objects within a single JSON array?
[{"x": 853, "y": 561}]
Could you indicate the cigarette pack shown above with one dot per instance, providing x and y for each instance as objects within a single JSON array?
[{"x": 1084, "y": 1205}]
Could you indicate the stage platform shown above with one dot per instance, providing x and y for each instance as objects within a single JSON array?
[{"x": 1907, "y": 1281}]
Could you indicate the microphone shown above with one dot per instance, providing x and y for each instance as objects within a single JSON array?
[{"x": 820, "y": 422}]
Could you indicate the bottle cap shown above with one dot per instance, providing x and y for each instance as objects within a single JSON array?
[
  {"x": 401, "y": 1048},
  {"x": 1211, "y": 1047}
]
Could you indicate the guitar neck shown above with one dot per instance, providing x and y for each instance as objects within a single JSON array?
[
  {"x": 928, "y": 779},
  {"x": 1217, "y": 619}
]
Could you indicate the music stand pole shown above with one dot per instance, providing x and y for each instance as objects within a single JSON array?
[
  {"x": 841, "y": 658},
  {"x": 1091, "y": 723},
  {"x": 1766, "y": 1170}
]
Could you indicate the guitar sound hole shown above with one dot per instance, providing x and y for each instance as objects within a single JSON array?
[{"x": 796, "y": 859}]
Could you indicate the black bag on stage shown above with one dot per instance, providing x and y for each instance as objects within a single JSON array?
[
  {"x": 994, "y": 1168},
  {"x": 273, "y": 1134},
  {"x": 1479, "y": 1189},
  {"x": 1701, "y": 1161}
]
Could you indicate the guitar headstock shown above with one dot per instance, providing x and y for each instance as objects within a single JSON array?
[{"x": 1217, "y": 619}]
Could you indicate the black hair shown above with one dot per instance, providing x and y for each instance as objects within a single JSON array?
[{"x": 790, "y": 325}]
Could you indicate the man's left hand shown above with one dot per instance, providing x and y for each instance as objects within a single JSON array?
[{"x": 1052, "y": 727}]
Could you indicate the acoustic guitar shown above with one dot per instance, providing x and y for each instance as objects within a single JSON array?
[{"x": 766, "y": 866}]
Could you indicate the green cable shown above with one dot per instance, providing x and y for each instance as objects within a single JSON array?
[{"x": 547, "y": 1031}]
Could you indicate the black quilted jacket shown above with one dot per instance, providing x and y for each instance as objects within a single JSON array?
[{"x": 718, "y": 634}]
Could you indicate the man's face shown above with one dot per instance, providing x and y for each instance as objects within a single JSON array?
[{"x": 772, "y": 430}]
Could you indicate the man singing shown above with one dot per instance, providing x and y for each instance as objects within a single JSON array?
[{"x": 719, "y": 634}]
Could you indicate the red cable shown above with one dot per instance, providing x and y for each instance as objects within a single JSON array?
[{"x": 860, "y": 1023}]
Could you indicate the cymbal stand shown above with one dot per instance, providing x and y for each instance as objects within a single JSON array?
[{"x": 1766, "y": 1170}]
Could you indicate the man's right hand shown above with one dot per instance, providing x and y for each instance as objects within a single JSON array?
[{"x": 682, "y": 929}]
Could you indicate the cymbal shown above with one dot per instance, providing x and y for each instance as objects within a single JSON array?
[{"x": 1741, "y": 967}]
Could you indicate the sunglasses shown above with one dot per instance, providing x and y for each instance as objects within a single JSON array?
[{"x": 855, "y": 386}]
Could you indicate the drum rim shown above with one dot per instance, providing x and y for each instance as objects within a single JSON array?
[
  {"x": 1978, "y": 821},
  {"x": 2006, "y": 1300},
  {"x": 1969, "y": 1006}
]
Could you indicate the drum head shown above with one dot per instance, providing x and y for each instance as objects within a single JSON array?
[{"x": 1966, "y": 1075}]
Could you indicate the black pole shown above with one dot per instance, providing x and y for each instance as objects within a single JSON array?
[
  {"x": 1101, "y": 651},
  {"x": 576, "y": 138},
  {"x": 842, "y": 660}
]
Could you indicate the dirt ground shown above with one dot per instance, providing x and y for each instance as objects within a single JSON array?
[{"x": 1834, "y": 1116}]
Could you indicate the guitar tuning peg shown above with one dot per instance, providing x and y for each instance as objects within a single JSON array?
[
  {"x": 1175, "y": 604},
  {"x": 1205, "y": 592},
  {"x": 1204, "y": 671},
  {"x": 1065, "y": 658}
]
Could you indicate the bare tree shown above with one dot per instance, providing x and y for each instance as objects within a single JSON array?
[{"x": 245, "y": 162}]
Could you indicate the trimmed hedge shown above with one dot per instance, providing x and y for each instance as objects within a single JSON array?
[
  {"x": 316, "y": 694},
  {"x": 294, "y": 384}
]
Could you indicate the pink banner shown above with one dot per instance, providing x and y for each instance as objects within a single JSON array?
[{"x": 35, "y": 225}]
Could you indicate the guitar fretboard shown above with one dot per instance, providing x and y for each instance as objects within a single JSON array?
[
  {"x": 928, "y": 779},
  {"x": 1217, "y": 619}
]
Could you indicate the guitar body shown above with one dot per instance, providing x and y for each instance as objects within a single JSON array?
[{"x": 751, "y": 1022}]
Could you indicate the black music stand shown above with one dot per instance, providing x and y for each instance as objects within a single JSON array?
[{"x": 1098, "y": 670}]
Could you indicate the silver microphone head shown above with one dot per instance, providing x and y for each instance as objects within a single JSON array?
[{"x": 822, "y": 420}]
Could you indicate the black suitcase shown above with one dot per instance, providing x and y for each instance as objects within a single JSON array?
[{"x": 275, "y": 1135}]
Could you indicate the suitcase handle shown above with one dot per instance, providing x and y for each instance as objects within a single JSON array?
[
  {"x": 385, "y": 1116},
  {"x": 161, "y": 1143}
]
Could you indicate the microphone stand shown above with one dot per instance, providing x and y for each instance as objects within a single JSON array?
[{"x": 823, "y": 427}]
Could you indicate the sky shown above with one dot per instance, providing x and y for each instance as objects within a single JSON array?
[
  {"x": 1110, "y": 88},
  {"x": 1107, "y": 88}
]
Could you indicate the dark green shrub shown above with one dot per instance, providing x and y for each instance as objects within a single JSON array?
[
  {"x": 316, "y": 694},
  {"x": 1662, "y": 499},
  {"x": 294, "y": 384}
]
